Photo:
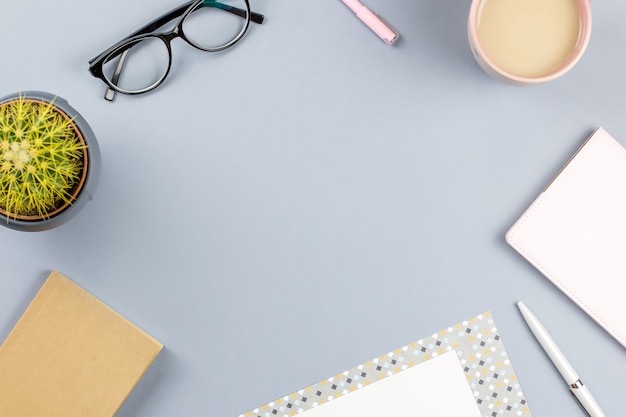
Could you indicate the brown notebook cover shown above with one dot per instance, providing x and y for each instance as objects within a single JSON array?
[{"x": 70, "y": 355}]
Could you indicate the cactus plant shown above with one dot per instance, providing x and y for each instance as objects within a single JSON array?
[
  {"x": 49, "y": 161},
  {"x": 43, "y": 159}
]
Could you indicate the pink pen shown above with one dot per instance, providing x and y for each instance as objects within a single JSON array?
[{"x": 388, "y": 35}]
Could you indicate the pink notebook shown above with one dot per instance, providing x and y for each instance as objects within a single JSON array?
[{"x": 575, "y": 232}]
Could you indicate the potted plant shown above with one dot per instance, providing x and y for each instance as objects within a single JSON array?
[{"x": 49, "y": 161}]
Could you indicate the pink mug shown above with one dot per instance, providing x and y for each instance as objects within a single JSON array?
[{"x": 525, "y": 42}]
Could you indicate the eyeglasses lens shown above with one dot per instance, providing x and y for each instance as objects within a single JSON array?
[
  {"x": 216, "y": 23},
  {"x": 145, "y": 63}
]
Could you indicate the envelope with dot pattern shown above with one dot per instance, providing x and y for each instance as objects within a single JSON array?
[{"x": 461, "y": 370}]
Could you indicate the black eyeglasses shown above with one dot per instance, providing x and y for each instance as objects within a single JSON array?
[{"x": 146, "y": 55}]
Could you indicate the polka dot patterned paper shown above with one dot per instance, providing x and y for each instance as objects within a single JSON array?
[{"x": 479, "y": 349}]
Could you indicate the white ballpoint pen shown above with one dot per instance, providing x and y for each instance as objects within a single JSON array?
[{"x": 576, "y": 387}]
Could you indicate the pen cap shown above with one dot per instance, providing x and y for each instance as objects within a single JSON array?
[
  {"x": 377, "y": 25},
  {"x": 373, "y": 21}
]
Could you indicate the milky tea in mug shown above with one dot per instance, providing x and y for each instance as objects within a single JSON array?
[{"x": 528, "y": 41}]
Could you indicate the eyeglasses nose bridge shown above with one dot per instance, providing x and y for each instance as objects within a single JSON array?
[{"x": 171, "y": 35}]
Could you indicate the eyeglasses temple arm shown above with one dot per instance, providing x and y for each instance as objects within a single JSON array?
[
  {"x": 155, "y": 24},
  {"x": 255, "y": 17},
  {"x": 110, "y": 93},
  {"x": 160, "y": 21}
]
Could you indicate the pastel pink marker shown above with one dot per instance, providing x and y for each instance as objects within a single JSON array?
[{"x": 387, "y": 34}]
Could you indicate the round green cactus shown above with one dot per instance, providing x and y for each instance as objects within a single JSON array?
[{"x": 41, "y": 159}]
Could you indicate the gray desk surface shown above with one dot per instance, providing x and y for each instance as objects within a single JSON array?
[{"x": 312, "y": 198}]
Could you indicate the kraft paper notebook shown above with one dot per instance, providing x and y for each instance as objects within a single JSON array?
[
  {"x": 69, "y": 355},
  {"x": 461, "y": 371},
  {"x": 575, "y": 232}
]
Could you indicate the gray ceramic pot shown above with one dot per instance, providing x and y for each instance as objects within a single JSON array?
[{"x": 92, "y": 164}]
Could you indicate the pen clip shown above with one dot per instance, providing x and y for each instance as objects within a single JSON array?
[
  {"x": 586, "y": 401},
  {"x": 571, "y": 391}
]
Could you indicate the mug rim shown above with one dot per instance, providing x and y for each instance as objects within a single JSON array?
[{"x": 479, "y": 53}]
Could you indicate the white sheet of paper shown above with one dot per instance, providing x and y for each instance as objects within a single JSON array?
[{"x": 437, "y": 387}]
